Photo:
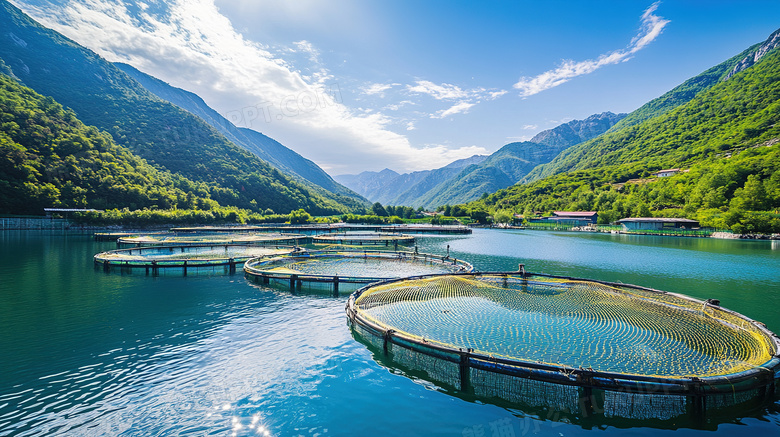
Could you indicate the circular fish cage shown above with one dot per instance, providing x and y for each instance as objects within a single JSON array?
[
  {"x": 186, "y": 259},
  {"x": 365, "y": 239},
  {"x": 588, "y": 348},
  {"x": 337, "y": 272},
  {"x": 213, "y": 239}
]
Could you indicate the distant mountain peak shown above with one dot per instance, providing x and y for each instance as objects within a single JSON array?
[
  {"x": 577, "y": 131},
  {"x": 465, "y": 162},
  {"x": 751, "y": 59}
]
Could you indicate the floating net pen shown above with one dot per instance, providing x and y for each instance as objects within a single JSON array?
[
  {"x": 337, "y": 272},
  {"x": 213, "y": 239},
  {"x": 586, "y": 348},
  {"x": 156, "y": 260},
  {"x": 365, "y": 239}
]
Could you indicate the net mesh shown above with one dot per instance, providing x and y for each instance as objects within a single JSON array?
[
  {"x": 356, "y": 265},
  {"x": 570, "y": 323},
  {"x": 523, "y": 390},
  {"x": 643, "y": 406}
]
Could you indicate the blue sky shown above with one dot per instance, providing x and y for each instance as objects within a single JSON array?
[{"x": 412, "y": 85}]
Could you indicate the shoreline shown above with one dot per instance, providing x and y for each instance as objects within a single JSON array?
[
  {"x": 716, "y": 234},
  {"x": 63, "y": 225}
]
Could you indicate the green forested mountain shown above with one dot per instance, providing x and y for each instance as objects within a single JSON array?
[
  {"x": 423, "y": 182},
  {"x": 48, "y": 158},
  {"x": 606, "y": 148},
  {"x": 391, "y": 188},
  {"x": 511, "y": 163},
  {"x": 271, "y": 151},
  {"x": 726, "y": 137},
  {"x": 158, "y": 131},
  {"x": 467, "y": 179}
]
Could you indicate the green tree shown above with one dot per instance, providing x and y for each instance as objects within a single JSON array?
[
  {"x": 751, "y": 197},
  {"x": 503, "y": 216},
  {"x": 379, "y": 210},
  {"x": 479, "y": 215},
  {"x": 299, "y": 216}
]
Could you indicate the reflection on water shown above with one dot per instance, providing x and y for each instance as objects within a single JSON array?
[{"x": 89, "y": 353}]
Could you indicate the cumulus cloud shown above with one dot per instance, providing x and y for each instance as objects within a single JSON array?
[
  {"x": 191, "y": 45},
  {"x": 651, "y": 27}
]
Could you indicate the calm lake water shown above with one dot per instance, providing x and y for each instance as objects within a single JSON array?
[{"x": 83, "y": 352}]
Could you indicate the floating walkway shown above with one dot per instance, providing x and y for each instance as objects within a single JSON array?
[
  {"x": 333, "y": 227},
  {"x": 427, "y": 229},
  {"x": 573, "y": 345},
  {"x": 365, "y": 239},
  {"x": 213, "y": 239},
  {"x": 114, "y": 236}
]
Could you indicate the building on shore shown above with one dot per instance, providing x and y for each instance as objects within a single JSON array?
[
  {"x": 569, "y": 218},
  {"x": 666, "y": 173},
  {"x": 656, "y": 223}
]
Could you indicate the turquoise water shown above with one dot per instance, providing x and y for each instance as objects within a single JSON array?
[{"x": 89, "y": 353}]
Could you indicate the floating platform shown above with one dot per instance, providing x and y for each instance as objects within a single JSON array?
[
  {"x": 213, "y": 239},
  {"x": 114, "y": 236},
  {"x": 427, "y": 229},
  {"x": 592, "y": 349},
  {"x": 365, "y": 239},
  {"x": 214, "y": 229},
  {"x": 308, "y": 229},
  {"x": 338, "y": 272},
  {"x": 186, "y": 258},
  {"x": 319, "y": 228}
]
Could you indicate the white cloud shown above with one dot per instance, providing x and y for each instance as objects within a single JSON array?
[
  {"x": 399, "y": 105},
  {"x": 651, "y": 28},
  {"x": 410, "y": 126},
  {"x": 530, "y": 127},
  {"x": 191, "y": 45},
  {"x": 458, "y": 108},
  {"x": 306, "y": 46},
  {"x": 492, "y": 95},
  {"x": 378, "y": 88},
  {"x": 444, "y": 91}
]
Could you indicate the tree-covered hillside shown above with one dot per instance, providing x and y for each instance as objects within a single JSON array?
[
  {"x": 727, "y": 137},
  {"x": 158, "y": 131},
  {"x": 269, "y": 150},
  {"x": 636, "y": 133},
  {"x": 511, "y": 163},
  {"x": 48, "y": 158}
]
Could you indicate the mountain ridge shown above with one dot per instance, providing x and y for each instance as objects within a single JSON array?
[
  {"x": 581, "y": 156},
  {"x": 726, "y": 139},
  {"x": 467, "y": 179},
  {"x": 49, "y": 158},
  {"x": 165, "y": 135},
  {"x": 279, "y": 156}
]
